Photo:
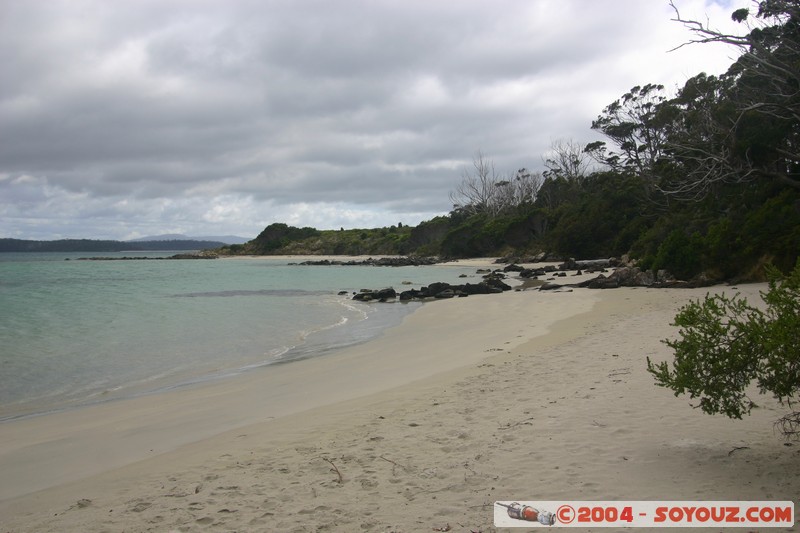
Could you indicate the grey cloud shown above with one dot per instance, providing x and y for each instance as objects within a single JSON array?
[{"x": 364, "y": 109}]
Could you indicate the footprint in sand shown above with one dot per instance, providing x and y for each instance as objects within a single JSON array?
[{"x": 141, "y": 506}]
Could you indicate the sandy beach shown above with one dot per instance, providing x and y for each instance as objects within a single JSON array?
[{"x": 526, "y": 395}]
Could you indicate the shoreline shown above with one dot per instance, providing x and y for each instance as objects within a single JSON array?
[
  {"x": 525, "y": 400},
  {"x": 320, "y": 338},
  {"x": 146, "y": 432}
]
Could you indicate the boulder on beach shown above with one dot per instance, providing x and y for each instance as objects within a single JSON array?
[{"x": 630, "y": 276}]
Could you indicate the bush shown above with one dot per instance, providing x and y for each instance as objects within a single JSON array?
[
  {"x": 725, "y": 343},
  {"x": 680, "y": 254}
]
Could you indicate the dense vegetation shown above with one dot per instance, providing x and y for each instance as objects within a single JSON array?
[
  {"x": 703, "y": 181},
  {"x": 280, "y": 238}
]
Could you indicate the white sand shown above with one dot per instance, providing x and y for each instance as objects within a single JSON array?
[{"x": 520, "y": 396}]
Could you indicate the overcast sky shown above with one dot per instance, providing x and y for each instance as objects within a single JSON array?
[{"x": 126, "y": 118}]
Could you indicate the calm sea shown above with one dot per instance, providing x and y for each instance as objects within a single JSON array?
[{"x": 78, "y": 332}]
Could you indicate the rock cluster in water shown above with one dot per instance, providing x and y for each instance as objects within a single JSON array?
[{"x": 201, "y": 255}]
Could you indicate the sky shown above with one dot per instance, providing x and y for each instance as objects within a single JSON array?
[{"x": 126, "y": 118}]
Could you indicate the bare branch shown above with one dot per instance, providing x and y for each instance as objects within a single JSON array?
[
  {"x": 483, "y": 190},
  {"x": 567, "y": 159}
]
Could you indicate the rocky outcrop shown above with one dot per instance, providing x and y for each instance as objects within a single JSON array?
[
  {"x": 621, "y": 276},
  {"x": 533, "y": 273},
  {"x": 589, "y": 265},
  {"x": 635, "y": 277},
  {"x": 445, "y": 290},
  {"x": 492, "y": 284},
  {"x": 381, "y": 261},
  {"x": 380, "y": 295},
  {"x": 438, "y": 290},
  {"x": 542, "y": 257}
]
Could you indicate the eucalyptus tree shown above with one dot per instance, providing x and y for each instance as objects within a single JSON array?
[
  {"x": 744, "y": 125},
  {"x": 636, "y": 126}
]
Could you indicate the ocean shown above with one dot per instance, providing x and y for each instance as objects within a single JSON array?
[{"x": 79, "y": 332}]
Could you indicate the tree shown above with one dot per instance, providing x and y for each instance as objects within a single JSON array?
[
  {"x": 519, "y": 191},
  {"x": 636, "y": 127},
  {"x": 478, "y": 188},
  {"x": 567, "y": 159},
  {"x": 760, "y": 138},
  {"x": 598, "y": 218},
  {"x": 699, "y": 145},
  {"x": 725, "y": 343},
  {"x": 484, "y": 191}
]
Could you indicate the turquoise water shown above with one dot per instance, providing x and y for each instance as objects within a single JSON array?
[{"x": 78, "y": 332}]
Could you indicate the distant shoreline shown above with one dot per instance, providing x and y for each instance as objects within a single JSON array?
[{"x": 100, "y": 246}]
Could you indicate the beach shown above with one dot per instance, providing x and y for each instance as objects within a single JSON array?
[{"x": 526, "y": 395}]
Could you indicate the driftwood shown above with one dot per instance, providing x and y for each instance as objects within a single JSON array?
[{"x": 340, "y": 479}]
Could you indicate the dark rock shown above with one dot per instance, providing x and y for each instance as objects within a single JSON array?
[
  {"x": 572, "y": 264},
  {"x": 383, "y": 261},
  {"x": 600, "y": 282},
  {"x": 497, "y": 284},
  {"x": 628, "y": 276},
  {"x": 480, "y": 288},
  {"x": 367, "y": 295},
  {"x": 435, "y": 288},
  {"x": 411, "y": 294},
  {"x": 509, "y": 259},
  {"x": 363, "y": 297},
  {"x": 387, "y": 293},
  {"x": 445, "y": 290},
  {"x": 536, "y": 272},
  {"x": 513, "y": 268},
  {"x": 201, "y": 255},
  {"x": 474, "y": 288}
]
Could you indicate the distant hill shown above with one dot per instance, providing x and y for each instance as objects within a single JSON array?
[{"x": 225, "y": 239}]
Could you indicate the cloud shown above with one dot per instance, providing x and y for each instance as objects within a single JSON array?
[{"x": 142, "y": 116}]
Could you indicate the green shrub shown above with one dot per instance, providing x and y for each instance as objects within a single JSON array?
[
  {"x": 680, "y": 254},
  {"x": 725, "y": 343}
]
